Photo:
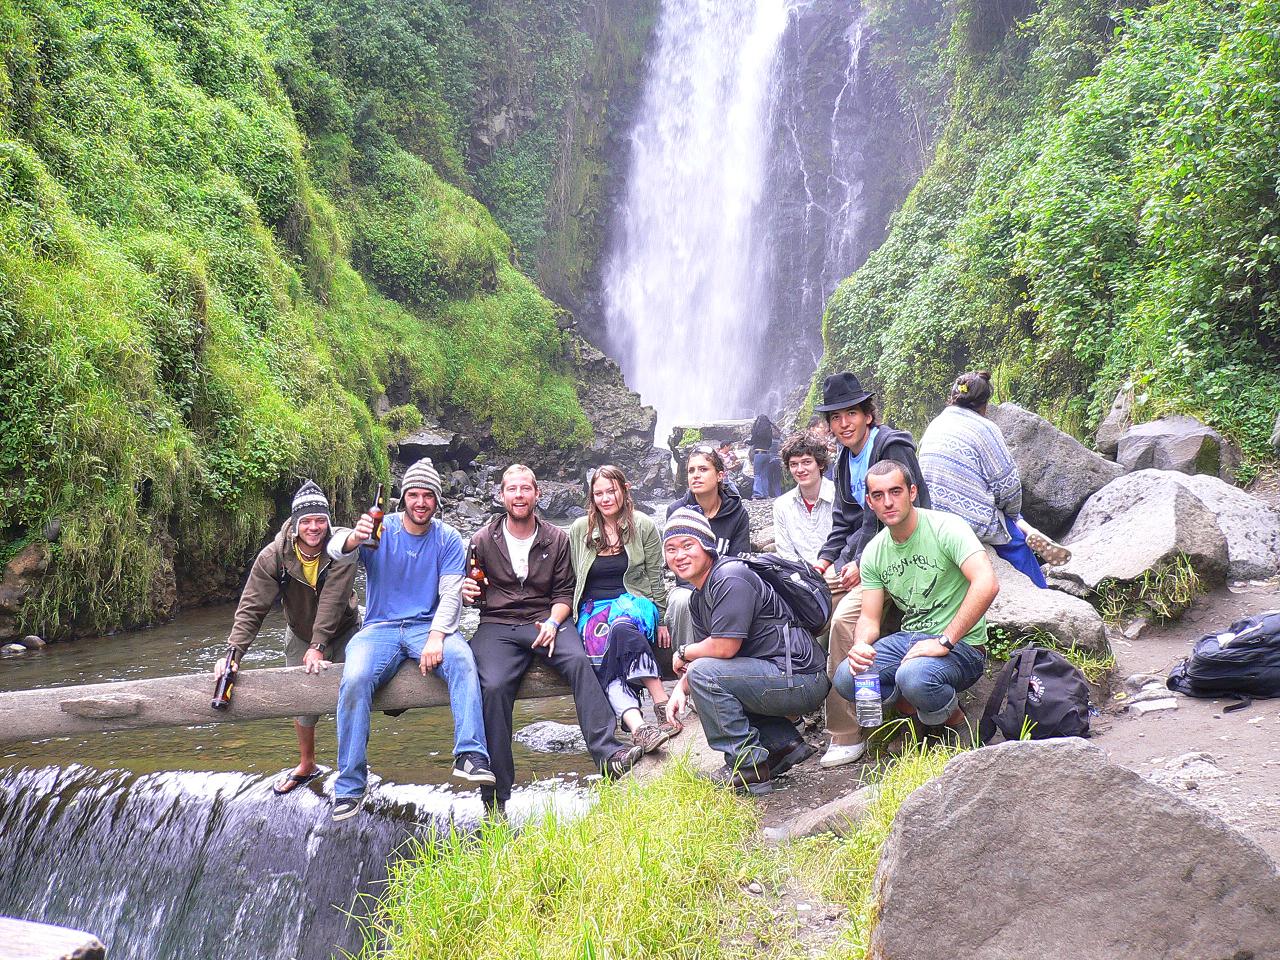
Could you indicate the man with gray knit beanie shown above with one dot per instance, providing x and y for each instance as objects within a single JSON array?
[
  {"x": 750, "y": 668},
  {"x": 320, "y": 609},
  {"x": 413, "y": 606}
]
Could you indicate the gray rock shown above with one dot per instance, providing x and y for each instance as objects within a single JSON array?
[
  {"x": 1177, "y": 443},
  {"x": 1137, "y": 524},
  {"x": 1058, "y": 472},
  {"x": 1053, "y": 827},
  {"x": 1134, "y": 630},
  {"x": 1022, "y": 609},
  {"x": 547, "y": 736},
  {"x": 1275, "y": 435},
  {"x": 12, "y": 650},
  {"x": 840, "y": 816},
  {"x": 1140, "y": 681},
  {"x": 439, "y": 443},
  {"x": 1141, "y": 707},
  {"x": 32, "y": 642},
  {"x": 1118, "y": 419},
  {"x": 556, "y": 498},
  {"x": 1250, "y": 526}
]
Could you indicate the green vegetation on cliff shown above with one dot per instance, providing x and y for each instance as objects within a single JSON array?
[
  {"x": 1100, "y": 209},
  {"x": 217, "y": 250}
]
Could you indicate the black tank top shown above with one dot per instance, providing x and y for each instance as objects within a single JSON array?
[{"x": 604, "y": 579}]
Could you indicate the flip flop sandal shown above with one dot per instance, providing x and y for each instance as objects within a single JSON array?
[
  {"x": 294, "y": 781},
  {"x": 1054, "y": 554}
]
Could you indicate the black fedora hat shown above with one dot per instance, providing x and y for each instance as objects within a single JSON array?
[{"x": 840, "y": 391}]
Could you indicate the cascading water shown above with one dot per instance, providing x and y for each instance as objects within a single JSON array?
[{"x": 762, "y": 172}]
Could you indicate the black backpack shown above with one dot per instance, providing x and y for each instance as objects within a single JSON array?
[
  {"x": 1243, "y": 662},
  {"x": 1039, "y": 692},
  {"x": 801, "y": 588}
]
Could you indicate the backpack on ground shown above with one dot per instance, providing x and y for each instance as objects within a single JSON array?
[
  {"x": 802, "y": 589},
  {"x": 1242, "y": 662},
  {"x": 1038, "y": 692}
]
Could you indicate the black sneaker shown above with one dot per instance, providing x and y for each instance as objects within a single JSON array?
[
  {"x": 621, "y": 762},
  {"x": 473, "y": 767},
  {"x": 755, "y": 779},
  {"x": 346, "y": 807},
  {"x": 783, "y": 758}
]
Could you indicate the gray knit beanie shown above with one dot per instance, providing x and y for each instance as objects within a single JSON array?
[
  {"x": 687, "y": 522},
  {"x": 422, "y": 476},
  {"x": 309, "y": 501}
]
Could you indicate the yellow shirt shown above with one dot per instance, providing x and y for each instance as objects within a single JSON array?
[{"x": 310, "y": 568}]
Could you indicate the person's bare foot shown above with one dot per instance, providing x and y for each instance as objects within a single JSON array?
[{"x": 299, "y": 776}]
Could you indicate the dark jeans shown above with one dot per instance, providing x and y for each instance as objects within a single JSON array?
[
  {"x": 503, "y": 653},
  {"x": 768, "y": 475},
  {"x": 744, "y": 704}
]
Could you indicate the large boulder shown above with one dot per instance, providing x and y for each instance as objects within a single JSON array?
[
  {"x": 1059, "y": 473},
  {"x": 1140, "y": 524},
  {"x": 1250, "y": 526},
  {"x": 439, "y": 443},
  {"x": 1069, "y": 856},
  {"x": 1022, "y": 609},
  {"x": 1177, "y": 443},
  {"x": 1117, "y": 421},
  {"x": 558, "y": 499}
]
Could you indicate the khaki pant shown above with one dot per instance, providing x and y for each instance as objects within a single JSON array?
[{"x": 842, "y": 723}]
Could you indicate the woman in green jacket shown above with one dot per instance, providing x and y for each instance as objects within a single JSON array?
[{"x": 620, "y": 600}]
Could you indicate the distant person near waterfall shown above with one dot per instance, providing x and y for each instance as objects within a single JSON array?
[
  {"x": 851, "y": 413},
  {"x": 766, "y": 464},
  {"x": 620, "y": 598},
  {"x": 720, "y": 503},
  {"x": 415, "y": 570},
  {"x": 972, "y": 474},
  {"x": 320, "y": 609},
  {"x": 526, "y": 612}
]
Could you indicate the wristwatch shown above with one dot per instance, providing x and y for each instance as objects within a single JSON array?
[
  {"x": 317, "y": 647},
  {"x": 946, "y": 642},
  {"x": 681, "y": 651}
]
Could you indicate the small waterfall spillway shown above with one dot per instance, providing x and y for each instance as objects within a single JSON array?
[{"x": 744, "y": 205}]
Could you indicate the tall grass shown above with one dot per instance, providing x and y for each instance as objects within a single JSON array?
[{"x": 654, "y": 870}]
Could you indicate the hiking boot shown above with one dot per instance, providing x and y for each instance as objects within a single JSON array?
[
  {"x": 346, "y": 807},
  {"x": 649, "y": 737},
  {"x": 473, "y": 767},
  {"x": 957, "y": 736},
  {"x": 621, "y": 762},
  {"x": 667, "y": 723},
  {"x": 755, "y": 779},
  {"x": 783, "y": 758}
]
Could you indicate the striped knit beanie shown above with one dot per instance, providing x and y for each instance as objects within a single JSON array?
[
  {"x": 687, "y": 522},
  {"x": 422, "y": 476},
  {"x": 309, "y": 501}
]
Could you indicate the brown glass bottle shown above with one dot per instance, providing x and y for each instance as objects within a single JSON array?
[
  {"x": 476, "y": 572},
  {"x": 227, "y": 682},
  {"x": 377, "y": 514}
]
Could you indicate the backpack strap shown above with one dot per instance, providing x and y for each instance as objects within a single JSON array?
[
  {"x": 1242, "y": 701},
  {"x": 987, "y": 726},
  {"x": 1009, "y": 698}
]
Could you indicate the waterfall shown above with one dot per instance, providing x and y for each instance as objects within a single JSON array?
[
  {"x": 743, "y": 205},
  {"x": 179, "y": 865}
]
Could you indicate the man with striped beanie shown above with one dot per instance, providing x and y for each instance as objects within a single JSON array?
[
  {"x": 413, "y": 607},
  {"x": 750, "y": 668}
]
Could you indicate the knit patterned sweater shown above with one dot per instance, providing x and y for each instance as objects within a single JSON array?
[{"x": 971, "y": 472}]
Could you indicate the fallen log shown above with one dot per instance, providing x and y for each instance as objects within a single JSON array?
[{"x": 184, "y": 701}]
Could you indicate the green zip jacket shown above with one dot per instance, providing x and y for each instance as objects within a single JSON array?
[{"x": 644, "y": 562}]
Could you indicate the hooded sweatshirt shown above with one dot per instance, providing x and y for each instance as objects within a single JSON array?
[
  {"x": 731, "y": 524},
  {"x": 853, "y": 525}
]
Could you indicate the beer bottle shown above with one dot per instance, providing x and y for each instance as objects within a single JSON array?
[
  {"x": 227, "y": 682},
  {"x": 476, "y": 572},
  {"x": 376, "y": 512}
]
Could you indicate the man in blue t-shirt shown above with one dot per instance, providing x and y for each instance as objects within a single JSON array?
[{"x": 413, "y": 607}]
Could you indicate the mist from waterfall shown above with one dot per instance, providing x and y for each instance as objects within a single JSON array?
[
  {"x": 745, "y": 203},
  {"x": 686, "y": 291}
]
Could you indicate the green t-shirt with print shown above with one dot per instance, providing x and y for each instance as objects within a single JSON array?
[{"x": 923, "y": 575}]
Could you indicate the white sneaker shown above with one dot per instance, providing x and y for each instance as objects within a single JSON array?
[{"x": 838, "y": 754}]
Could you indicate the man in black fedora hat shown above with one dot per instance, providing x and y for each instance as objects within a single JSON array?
[{"x": 851, "y": 413}]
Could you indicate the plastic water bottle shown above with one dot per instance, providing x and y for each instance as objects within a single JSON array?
[{"x": 866, "y": 699}]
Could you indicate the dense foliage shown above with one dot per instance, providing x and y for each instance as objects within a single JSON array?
[
  {"x": 217, "y": 250},
  {"x": 1100, "y": 210}
]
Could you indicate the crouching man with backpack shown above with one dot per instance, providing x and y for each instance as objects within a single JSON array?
[
  {"x": 938, "y": 575},
  {"x": 750, "y": 668}
]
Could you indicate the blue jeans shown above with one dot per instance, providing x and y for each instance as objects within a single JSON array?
[
  {"x": 373, "y": 657},
  {"x": 744, "y": 704},
  {"x": 931, "y": 684},
  {"x": 768, "y": 475},
  {"x": 1017, "y": 553}
]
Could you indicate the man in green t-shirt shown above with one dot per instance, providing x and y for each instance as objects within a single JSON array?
[{"x": 937, "y": 573}]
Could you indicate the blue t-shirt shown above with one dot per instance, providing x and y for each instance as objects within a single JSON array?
[
  {"x": 405, "y": 570},
  {"x": 858, "y": 467}
]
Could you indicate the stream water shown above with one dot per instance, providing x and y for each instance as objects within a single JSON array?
[{"x": 169, "y": 843}]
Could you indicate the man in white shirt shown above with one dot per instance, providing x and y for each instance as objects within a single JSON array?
[{"x": 802, "y": 516}]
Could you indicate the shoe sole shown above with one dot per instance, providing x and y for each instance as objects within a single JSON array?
[
  {"x": 339, "y": 817},
  {"x": 486, "y": 777},
  {"x": 1054, "y": 554},
  {"x": 826, "y": 764}
]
